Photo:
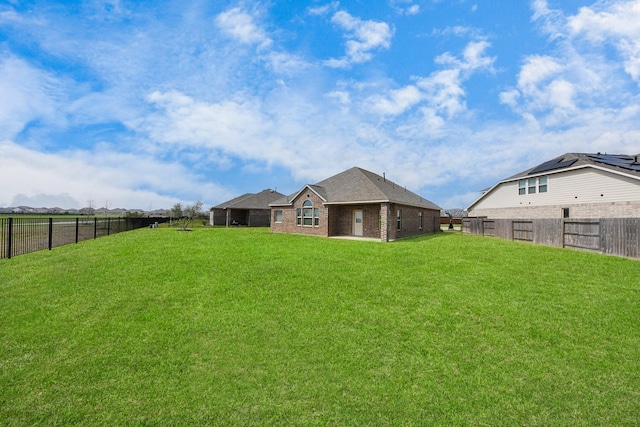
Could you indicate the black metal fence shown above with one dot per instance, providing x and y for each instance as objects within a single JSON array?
[{"x": 23, "y": 235}]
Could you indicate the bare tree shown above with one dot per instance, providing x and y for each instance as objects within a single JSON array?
[
  {"x": 190, "y": 212},
  {"x": 176, "y": 212},
  {"x": 90, "y": 206}
]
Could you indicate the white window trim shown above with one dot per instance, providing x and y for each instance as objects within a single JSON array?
[{"x": 524, "y": 185}]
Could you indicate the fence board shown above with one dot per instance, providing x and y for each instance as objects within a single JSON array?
[
  {"x": 621, "y": 237},
  {"x": 488, "y": 227},
  {"x": 548, "y": 231},
  {"x": 523, "y": 230},
  {"x": 612, "y": 236},
  {"x": 582, "y": 234}
]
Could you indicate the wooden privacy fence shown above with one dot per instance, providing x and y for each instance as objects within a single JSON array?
[
  {"x": 611, "y": 236},
  {"x": 23, "y": 235}
]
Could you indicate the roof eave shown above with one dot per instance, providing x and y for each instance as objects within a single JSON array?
[
  {"x": 357, "y": 202},
  {"x": 370, "y": 202}
]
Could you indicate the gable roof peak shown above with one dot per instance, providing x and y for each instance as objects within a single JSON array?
[{"x": 358, "y": 185}]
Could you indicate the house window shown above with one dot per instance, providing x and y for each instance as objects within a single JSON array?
[
  {"x": 316, "y": 216},
  {"x": 277, "y": 216},
  {"x": 399, "y": 220},
  {"x": 299, "y": 216},
  {"x": 307, "y": 213},
  {"x": 420, "y": 222},
  {"x": 565, "y": 212},
  {"x": 542, "y": 184},
  {"x": 532, "y": 185}
]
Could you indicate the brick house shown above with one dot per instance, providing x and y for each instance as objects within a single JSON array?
[
  {"x": 249, "y": 209},
  {"x": 574, "y": 185},
  {"x": 357, "y": 203}
]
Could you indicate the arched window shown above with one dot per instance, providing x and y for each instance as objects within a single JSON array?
[{"x": 308, "y": 215}]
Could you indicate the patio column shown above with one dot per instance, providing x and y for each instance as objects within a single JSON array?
[{"x": 384, "y": 222}]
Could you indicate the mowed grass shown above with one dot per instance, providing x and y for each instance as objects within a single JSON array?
[{"x": 244, "y": 327}]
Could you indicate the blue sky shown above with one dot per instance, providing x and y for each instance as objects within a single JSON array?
[{"x": 142, "y": 104}]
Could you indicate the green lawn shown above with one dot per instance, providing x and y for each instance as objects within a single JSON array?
[{"x": 243, "y": 327}]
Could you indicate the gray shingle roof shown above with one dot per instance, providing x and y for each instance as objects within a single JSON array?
[
  {"x": 357, "y": 185},
  {"x": 259, "y": 200}
]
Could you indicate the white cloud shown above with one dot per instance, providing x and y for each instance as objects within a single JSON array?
[
  {"x": 363, "y": 37},
  {"x": 26, "y": 94},
  {"x": 405, "y": 7},
  {"x": 472, "y": 57},
  {"x": 398, "y": 101},
  {"x": 413, "y": 10},
  {"x": 579, "y": 78},
  {"x": 341, "y": 97},
  {"x": 616, "y": 23},
  {"x": 323, "y": 10},
  {"x": 409, "y": 10},
  {"x": 552, "y": 21},
  {"x": 510, "y": 97},
  {"x": 228, "y": 125},
  {"x": 126, "y": 179},
  {"x": 537, "y": 69},
  {"x": 240, "y": 25},
  {"x": 442, "y": 91},
  {"x": 285, "y": 63}
]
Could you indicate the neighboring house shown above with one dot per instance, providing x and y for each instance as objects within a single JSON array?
[
  {"x": 249, "y": 209},
  {"x": 158, "y": 213},
  {"x": 358, "y": 203},
  {"x": 574, "y": 185}
]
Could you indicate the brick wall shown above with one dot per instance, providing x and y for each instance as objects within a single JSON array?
[
  {"x": 410, "y": 221},
  {"x": 384, "y": 222},
  {"x": 585, "y": 210},
  {"x": 289, "y": 225},
  {"x": 341, "y": 221},
  {"x": 379, "y": 220}
]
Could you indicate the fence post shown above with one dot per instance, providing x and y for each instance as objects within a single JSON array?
[
  {"x": 10, "y": 238},
  {"x": 50, "y": 233},
  {"x": 77, "y": 228},
  {"x": 108, "y": 226},
  {"x": 95, "y": 227}
]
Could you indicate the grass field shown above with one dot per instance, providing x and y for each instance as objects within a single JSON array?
[{"x": 243, "y": 327}]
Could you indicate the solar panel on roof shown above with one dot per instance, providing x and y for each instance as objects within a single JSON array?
[
  {"x": 625, "y": 162},
  {"x": 552, "y": 165}
]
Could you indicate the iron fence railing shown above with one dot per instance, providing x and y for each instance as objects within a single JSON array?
[{"x": 23, "y": 235}]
